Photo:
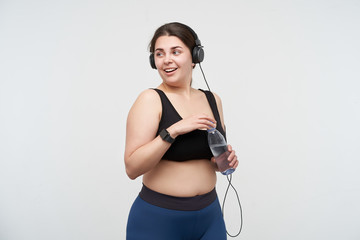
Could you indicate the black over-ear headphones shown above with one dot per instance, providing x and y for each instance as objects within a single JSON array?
[{"x": 197, "y": 52}]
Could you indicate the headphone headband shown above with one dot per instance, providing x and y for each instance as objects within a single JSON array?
[{"x": 197, "y": 40}]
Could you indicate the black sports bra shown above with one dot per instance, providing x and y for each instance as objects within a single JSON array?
[{"x": 192, "y": 145}]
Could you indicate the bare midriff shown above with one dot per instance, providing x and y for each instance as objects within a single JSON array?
[{"x": 182, "y": 179}]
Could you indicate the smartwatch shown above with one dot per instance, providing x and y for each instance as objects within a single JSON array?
[{"x": 165, "y": 135}]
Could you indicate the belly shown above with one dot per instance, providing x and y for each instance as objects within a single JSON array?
[{"x": 182, "y": 179}]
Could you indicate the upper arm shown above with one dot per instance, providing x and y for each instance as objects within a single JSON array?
[
  {"x": 220, "y": 109},
  {"x": 143, "y": 121}
]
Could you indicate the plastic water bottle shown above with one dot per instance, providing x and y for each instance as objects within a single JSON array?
[{"x": 219, "y": 149}]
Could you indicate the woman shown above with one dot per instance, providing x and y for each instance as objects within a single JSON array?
[{"x": 166, "y": 143}]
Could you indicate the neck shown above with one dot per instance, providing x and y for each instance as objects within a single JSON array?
[{"x": 181, "y": 90}]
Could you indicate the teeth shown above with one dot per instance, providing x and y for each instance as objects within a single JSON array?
[{"x": 170, "y": 69}]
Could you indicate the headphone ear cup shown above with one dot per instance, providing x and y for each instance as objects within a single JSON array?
[
  {"x": 152, "y": 61},
  {"x": 198, "y": 54}
]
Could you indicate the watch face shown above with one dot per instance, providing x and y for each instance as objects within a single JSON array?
[{"x": 165, "y": 135}]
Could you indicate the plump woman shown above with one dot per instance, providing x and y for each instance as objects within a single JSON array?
[{"x": 166, "y": 144}]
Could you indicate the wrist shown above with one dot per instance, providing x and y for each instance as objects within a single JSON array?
[
  {"x": 166, "y": 136},
  {"x": 172, "y": 131}
]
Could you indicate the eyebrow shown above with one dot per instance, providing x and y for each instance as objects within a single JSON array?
[{"x": 161, "y": 49}]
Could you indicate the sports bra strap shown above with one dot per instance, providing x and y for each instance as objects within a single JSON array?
[{"x": 211, "y": 99}]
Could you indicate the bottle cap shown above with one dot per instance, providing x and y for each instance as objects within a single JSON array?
[{"x": 210, "y": 130}]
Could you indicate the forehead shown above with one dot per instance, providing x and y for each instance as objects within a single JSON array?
[{"x": 168, "y": 42}]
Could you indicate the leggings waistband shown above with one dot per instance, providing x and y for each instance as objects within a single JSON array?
[{"x": 177, "y": 203}]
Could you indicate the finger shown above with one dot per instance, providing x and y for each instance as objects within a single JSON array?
[
  {"x": 236, "y": 164},
  {"x": 212, "y": 124},
  {"x": 208, "y": 124},
  {"x": 231, "y": 156},
  {"x": 229, "y": 147},
  {"x": 210, "y": 119},
  {"x": 233, "y": 161}
]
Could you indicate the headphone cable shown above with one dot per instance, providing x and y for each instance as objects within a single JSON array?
[
  {"x": 230, "y": 184},
  {"x": 238, "y": 199},
  {"x": 204, "y": 77}
]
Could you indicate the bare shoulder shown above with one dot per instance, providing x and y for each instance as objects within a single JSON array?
[
  {"x": 147, "y": 107},
  {"x": 146, "y": 101},
  {"x": 148, "y": 95}
]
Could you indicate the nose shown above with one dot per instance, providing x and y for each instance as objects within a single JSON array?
[{"x": 168, "y": 59}]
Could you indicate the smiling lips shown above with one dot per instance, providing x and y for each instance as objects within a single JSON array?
[{"x": 170, "y": 70}]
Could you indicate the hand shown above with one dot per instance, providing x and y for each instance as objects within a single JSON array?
[
  {"x": 198, "y": 121},
  {"x": 232, "y": 158}
]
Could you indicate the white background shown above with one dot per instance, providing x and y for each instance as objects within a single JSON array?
[{"x": 287, "y": 73}]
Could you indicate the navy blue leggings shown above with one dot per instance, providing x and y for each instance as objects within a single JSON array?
[{"x": 150, "y": 222}]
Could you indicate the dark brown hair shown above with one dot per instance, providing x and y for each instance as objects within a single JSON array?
[{"x": 174, "y": 29}]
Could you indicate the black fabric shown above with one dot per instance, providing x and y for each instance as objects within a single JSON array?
[
  {"x": 192, "y": 145},
  {"x": 177, "y": 203}
]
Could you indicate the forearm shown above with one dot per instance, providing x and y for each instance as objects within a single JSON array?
[{"x": 145, "y": 158}]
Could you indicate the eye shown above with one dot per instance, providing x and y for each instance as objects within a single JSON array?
[
  {"x": 159, "y": 54},
  {"x": 176, "y": 52}
]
